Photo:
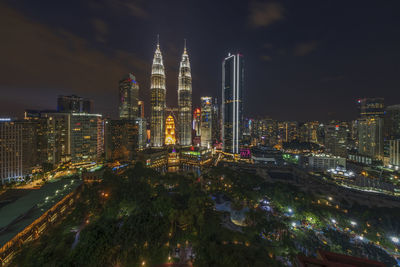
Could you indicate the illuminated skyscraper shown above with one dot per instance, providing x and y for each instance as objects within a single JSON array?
[
  {"x": 157, "y": 101},
  {"x": 128, "y": 97},
  {"x": 206, "y": 121},
  {"x": 185, "y": 101},
  {"x": 232, "y": 108}
]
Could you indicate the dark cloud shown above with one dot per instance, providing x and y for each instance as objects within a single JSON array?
[
  {"x": 132, "y": 7},
  {"x": 267, "y": 46},
  {"x": 34, "y": 55},
  {"x": 101, "y": 30},
  {"x": 266, "y": 58},
  {"x": 265, "y": 14},
  {"x": 303, "y": 49}
]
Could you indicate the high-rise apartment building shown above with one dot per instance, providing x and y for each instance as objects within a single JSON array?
[
  {"x": 120, "y": 140},
  {"x": 52, "y": 131},
  {"x": 232, "y": 106},
  {"x": 370, "y": 137},
  {"x": 86, "y": 135},
  {"x": 128, "y": 97},
  {"x": 206, "y": 121},
  {"x": 392, "y": 122},
  {"x": 336, "y": 137},
  {"x": 157, "y": 99},
  {"x": 142, "y": 135},
  {"x": 185, "y": 101},
  {"x": 17, "y": 150}
]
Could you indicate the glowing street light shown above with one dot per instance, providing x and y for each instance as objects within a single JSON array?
[
  {"x": 293, "y": 224},
  {"x": 353, "y": 223},
  {"x": 330, "y": 198},
  {"x": 395, "y": 239},
  {"x": 360, "y": 237},
  {"x": 290, "y": 210},
  {"x": 333, "y": 221}
]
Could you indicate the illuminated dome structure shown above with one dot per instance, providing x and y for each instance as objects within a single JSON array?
[{"x": 170, "y": 138}]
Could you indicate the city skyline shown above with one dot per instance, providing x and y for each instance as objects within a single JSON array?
[
  {"x": 199, "y": 133},
  {"x": 308, "y": 66}
]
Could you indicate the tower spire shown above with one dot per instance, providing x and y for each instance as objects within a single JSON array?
[
  {"x": 158, "y": 40},
  {"x": 184, "y": 46}
]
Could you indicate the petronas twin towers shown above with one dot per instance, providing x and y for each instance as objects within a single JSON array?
[{"x": 158, "y": 100}]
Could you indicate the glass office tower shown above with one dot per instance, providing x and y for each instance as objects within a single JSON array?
[{"x": 232, "y": 105}]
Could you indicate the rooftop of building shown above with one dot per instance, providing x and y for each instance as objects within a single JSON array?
[{"x": 22, "y": 211}]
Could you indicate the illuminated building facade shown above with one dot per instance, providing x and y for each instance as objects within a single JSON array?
[
  {"x": 336, "y": 136},
  {"x": 196, "y": 127},
  {"x": 157, "y": 99},
  {"x": 206, "y": 121},
  {"x": 185, "y": 100},
  {"x": 287, "y": 131},
  {"x": 170, "y": 131},
  {"x": 52, "y": 132},
  {"x": 370, "y": 137},
  {"x": 120, "y": 140},
  {"x": 141, "y": 109},
  {"x": 128, "y": 97},
  {"x": 11, "y": 152},
  {"x": 308, "y": 132},
  {"x": 232, "y": 106},
  {"x": 86, "y": 131},
  {"x": 17, "y": 149}
]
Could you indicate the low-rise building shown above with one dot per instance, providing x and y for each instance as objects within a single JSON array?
[{"x": 323, "y": 162}]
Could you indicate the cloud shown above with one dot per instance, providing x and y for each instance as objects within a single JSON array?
[
  {"x": 303, "y": 49},
  {"x": 266, "y": 58},
  {"x": 50, "y": 61},
  {"x": 133, "y": 7},
  {"x": 267, "y": 45},
  {"x": 101, "y": 29},
  {"x": 265, "y": 14}
]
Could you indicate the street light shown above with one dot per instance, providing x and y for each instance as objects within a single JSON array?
[
  {"x": 353, "y": 223},
  {"x": 395, "y": 239},
  {"x": 333, "y": 221}
]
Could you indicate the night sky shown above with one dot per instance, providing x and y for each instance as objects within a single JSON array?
[{"x": 304, "y": 60}]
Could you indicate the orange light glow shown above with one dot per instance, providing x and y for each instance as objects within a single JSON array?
[{"x": 170, "y": 138}]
